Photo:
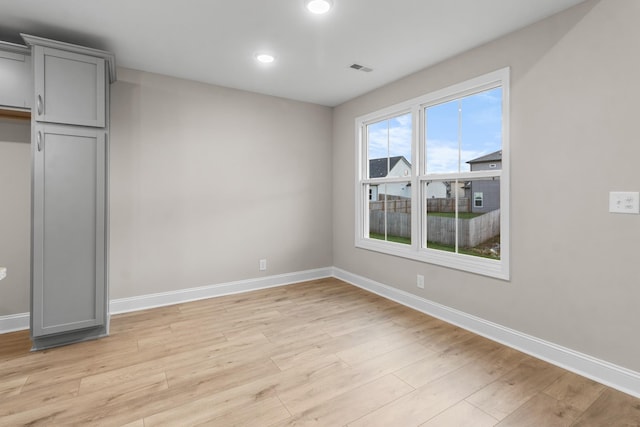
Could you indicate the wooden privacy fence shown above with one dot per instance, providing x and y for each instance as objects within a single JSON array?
[
  {"x": 403, "y": 205},
  {"x": 398, "y": 224},
  {"x": 440, "y": 229},
  {"x": 449, "y": 205},
  {"x": 393, "y": 205}
]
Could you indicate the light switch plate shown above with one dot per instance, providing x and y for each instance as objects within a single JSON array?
[
  {"x": 3, "y": 272},
  {"x": 624, "y": 202}
]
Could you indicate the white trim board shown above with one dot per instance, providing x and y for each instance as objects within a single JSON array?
[
  {"x": 601, "y": 371},
  {"x": 144, "y": 302},
  {"x": 14, "y": 322},
  {"x": 606, "y": 373},
  {"x": 18, "y": 322}
]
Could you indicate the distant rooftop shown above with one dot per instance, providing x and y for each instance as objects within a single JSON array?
[
  {"x": 491, "y": 157},
  {"x": 378, "y": 167}
]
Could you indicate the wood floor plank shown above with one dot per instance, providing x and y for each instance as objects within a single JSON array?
[
  {"x": 12, "y": 387},
  {"x": 612, "y": 408},
  {"x": 433, "y": 398},
  {"x": 352, "y": 404},
  {"x": 462, "y": 415},
  {"x": 502, "y": 397},
  {"x": 320, "y": 353},
  {"x": 38, "y": 396},
  {"x": 542, "y": 410},
  {"x": 574, "y": 390}
]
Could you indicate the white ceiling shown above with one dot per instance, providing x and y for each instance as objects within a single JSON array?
[{"x": 214, "y": 41}]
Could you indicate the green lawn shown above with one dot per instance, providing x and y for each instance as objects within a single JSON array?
[
  {"x": 396, "y": 239},
  {"x": 461, "y": 215},
  {"x": 438, "y": 246}
]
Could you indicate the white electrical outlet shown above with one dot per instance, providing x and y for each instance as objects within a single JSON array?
[
  {"x": 3, "y": 272},
  {"x": 624, "y": 202},
  {"x": 420, "y": 282},
  {"x": 263, "y": 264}
]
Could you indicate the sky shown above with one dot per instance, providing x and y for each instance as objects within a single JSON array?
[{"x": 480, "y": 123}]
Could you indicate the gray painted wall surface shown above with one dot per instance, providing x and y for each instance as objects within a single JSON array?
[
  {"x": 205, "y": 181},
  {"x": 574, "y": 107},
  {"x": 15, "y": 214},
  {"x": 199, "y": 192}
]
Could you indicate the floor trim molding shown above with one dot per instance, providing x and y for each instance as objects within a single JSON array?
[
  {"x": 20, "y": 321},
  {"x": 598, "y": 370},
  {"x": 144, "y": 302},
  {"x": 601, "y": 371},
  {"x": 14, "y": 322}
]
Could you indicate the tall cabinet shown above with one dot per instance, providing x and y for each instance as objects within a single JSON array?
[{"x": 70, "y": 131}]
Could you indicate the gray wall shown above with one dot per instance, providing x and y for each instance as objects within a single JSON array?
[
  {"x": 205, "y": 181},
  {"x": 15, "y": 215},
  {"x": 574, "y": 108}
]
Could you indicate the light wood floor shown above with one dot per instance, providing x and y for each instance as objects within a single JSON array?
[{"x": 316, "y": 353}]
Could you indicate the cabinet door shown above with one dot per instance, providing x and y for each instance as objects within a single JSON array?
[
  {"x": 68, "y": 283},
  {"x": 15, "y": 80},
  {"x": 69, "y": 87}
]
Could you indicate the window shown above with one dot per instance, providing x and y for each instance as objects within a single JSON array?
[{"x": 439, "y": 166}]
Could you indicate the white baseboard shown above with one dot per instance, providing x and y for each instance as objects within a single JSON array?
[
  {"x": 601, "y": 371},
  {"x": 124, "y": 305},
  {"x": 17, "y": 322},
  {"x": 14, "y": 322},
  {"x": 598, "y": 370}
]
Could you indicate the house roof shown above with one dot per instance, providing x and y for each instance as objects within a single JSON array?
[
  {"x": 496, "y": 156},
  {"x": 378, "y": 167}
]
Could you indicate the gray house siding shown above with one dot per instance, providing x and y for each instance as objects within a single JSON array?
[
  {"x": 490, "y": 191},
  {"x": 485, "y": 194}
]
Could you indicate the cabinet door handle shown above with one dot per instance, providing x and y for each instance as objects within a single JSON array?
[
  {"x": 39, "y": 140},
  {"x": 39, "y": 105}
]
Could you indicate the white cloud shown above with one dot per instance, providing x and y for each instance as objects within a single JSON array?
[
  {"x": 442, "y": 156},
  {"x": 395, "y": 141}
]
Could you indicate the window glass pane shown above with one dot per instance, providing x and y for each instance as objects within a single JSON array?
[
  {"x": 442, "y": 154},
  {"x": 479, "y": 231},
  {"x": 475, "y": 227},
  {"x": 464, "y": 134},
  {"x": 389, "y": 147},
  {"x": 440, "y": 205},
  {"x": 481, "y": 135},
  {"x": 389, "y": 215}
]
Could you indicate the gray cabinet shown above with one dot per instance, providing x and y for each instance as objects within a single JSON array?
[
  {"x": 69, "y": 286},
  {"x": 70, "y": 129},
  {"x": 16, "y": 89},
  {"x": 69, "y": 87}
]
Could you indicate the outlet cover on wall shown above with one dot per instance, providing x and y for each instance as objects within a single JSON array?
[
  {"x": 263, "y": 264},
  {"x": 624, "y": 202},
  {"x": 3, "y": 272},
  {"x": 420, "y": 281}
]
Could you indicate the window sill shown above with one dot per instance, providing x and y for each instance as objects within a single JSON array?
[{"x": 486, "y": 267}]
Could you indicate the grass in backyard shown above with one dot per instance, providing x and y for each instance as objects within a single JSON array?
[
  {"x": 461, "y": 215},
  {"x": 481, "y": 251},
  {"x": 396, "y": 239}
]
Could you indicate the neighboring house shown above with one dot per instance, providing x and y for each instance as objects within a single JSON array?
[
  {"x": 398, "y": 166},
  {"x": 485, "y": 194},
  {"x": 437, "y": 190}
]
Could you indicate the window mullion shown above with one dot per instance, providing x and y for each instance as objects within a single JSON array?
[{"x": 459, "y": 231}]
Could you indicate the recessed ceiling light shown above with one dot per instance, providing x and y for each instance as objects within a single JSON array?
[
  {"x": 265, "y": 58},
  {"x": 318, "y": 6}
]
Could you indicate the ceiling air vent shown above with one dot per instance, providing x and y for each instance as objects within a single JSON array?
[{"x": 361, "y": 68}]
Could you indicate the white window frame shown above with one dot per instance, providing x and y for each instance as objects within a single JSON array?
[{"x": 489, "y": 267}]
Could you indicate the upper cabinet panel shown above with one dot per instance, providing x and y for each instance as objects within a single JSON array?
[
  {"x": 69, "y": 87},
  {"x": 15, "y": 77}
]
